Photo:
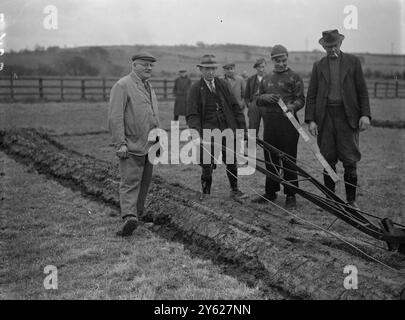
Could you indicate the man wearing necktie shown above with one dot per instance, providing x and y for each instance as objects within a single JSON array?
[
  {"x": 212, "y": 105},
  {"x": 337, "y": 108},
  {"x": 133, "y": 113}
]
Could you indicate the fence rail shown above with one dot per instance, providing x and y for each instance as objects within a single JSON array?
[{"x": 92, "y": 88}]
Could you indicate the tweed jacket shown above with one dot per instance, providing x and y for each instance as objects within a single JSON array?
[
  {"x": 353, "y": 88},
  {"x": 132, "y": 114}
]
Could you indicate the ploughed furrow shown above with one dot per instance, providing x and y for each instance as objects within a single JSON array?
[{"x": 265, "y": 246}]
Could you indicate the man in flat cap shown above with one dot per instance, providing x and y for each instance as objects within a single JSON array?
[
  {"x": 133, "y": 113},
  {"x": 180, "y": 90},
  {"x": 236, "y": 83},
  {"x": 211, "y": 105},
  {"x": 251, "y": 93},
  {"x": 277, "y": 129},
  {"x": 337, "y": 108}
]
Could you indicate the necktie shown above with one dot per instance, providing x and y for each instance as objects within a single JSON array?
[
  {"x": 146, "y": 84},
  {"x": 147, "y": 87},
  {"x": 211, "y": 85}
]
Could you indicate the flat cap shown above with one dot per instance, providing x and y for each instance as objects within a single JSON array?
[
  {"x": 146, "y": 56},
  {"x": 259, "y": 62},
  {"x": 229, "y": 66},
  {"x": 208, "y": 61},
  {"x": 278, "y": 50}
]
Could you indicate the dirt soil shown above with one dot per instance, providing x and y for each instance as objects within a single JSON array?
[{"x": 275, "y": 250}]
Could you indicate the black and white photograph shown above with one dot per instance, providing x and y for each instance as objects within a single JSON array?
[{"x": 199, "y": 157}]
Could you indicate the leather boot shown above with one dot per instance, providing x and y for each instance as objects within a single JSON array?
[
  {"x": 329, "y": 183},
  {"x": 350, "y": 187},
  {"x": 206, "y": 186},
  {"x": 232, "y": 173},
  {"x": 206, "y": 189}
]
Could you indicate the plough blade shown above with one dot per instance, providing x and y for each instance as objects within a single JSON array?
[{"x": 395, "y": 236}]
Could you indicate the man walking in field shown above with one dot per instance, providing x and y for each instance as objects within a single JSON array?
[
  {"x": 132, "y": 115},
  {"x": 180, "y": 90},
  {"x": 337, "y": 109}
]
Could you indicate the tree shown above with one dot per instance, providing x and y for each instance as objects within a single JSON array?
[
  {"x": 76, "y": 66},
  {"x": 96, "y": 52}
]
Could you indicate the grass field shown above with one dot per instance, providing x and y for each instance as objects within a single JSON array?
[
  {"x": 44, "y": 223},
  {"x": 95, "y": 264}
]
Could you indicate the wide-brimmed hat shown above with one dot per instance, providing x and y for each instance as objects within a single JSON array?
[
  {"x": 228, "y": 66},
  {"x": 331, "y": 37},
  {"x": 259, "y": 62},
  {"x": 208, "y": 60},
  {"x": 146, "y": 56}
]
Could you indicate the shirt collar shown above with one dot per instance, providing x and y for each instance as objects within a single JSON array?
[
  {"x": 135, "y": 77},
  {"x": 208, "y": 82}
]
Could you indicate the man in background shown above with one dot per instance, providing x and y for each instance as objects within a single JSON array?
[
  {"x": 180, "y": 90},
  {"x": 251, "y": 93},
  {"x": 133, "y": 113},
  {"x": 236, "y": 83},
  {"x": 337, "y": 109}
]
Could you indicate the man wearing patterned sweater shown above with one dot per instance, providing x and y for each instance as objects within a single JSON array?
[{"x": 278, "y": 130}]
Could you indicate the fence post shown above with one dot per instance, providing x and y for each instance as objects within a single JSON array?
[
  {"x": 61, "y": 89},
  {"x": 12, "y": 86},
  {"x": 41, "y": 88},
  {"x": 83, "y": 90},
  {"x": 386, "y": 89},
  {"x": 165, "y": 89},
  {"x": 375, "y": 89},
  {"x": 104, "y": 93}
]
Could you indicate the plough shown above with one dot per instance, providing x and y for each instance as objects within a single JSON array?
[
  {"x": 393, "y": 234},
  {"x": 386, "y": 230}
]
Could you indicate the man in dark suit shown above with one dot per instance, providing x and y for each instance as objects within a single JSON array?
[
  {"x": 251, "y": 93},
  {"x": 337, "y": 108},
  {"x": 212, "y": 105}
]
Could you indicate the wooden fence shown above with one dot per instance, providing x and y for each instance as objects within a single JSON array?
[{"x": 79, "y": 88}]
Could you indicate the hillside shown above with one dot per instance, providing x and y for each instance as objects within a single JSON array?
[{"x": 114, "y": 60}]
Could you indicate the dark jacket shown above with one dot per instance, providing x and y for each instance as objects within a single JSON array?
[
  {"x": 353, "y": 86},
  {"x": 180, "y": 90},
  {"x": 196, "y": 105},
  {"x": 252, "y": 86}
]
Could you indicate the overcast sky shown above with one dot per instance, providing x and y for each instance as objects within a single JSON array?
[{"x": 295, "y": 23}]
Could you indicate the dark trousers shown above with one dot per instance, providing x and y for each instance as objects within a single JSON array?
[
  {"x": 279, "y": 132},
  {"x": 337, "y": 140},
  {"x": 207, "y": 168},
  {"x": 254, "y": 116}
]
